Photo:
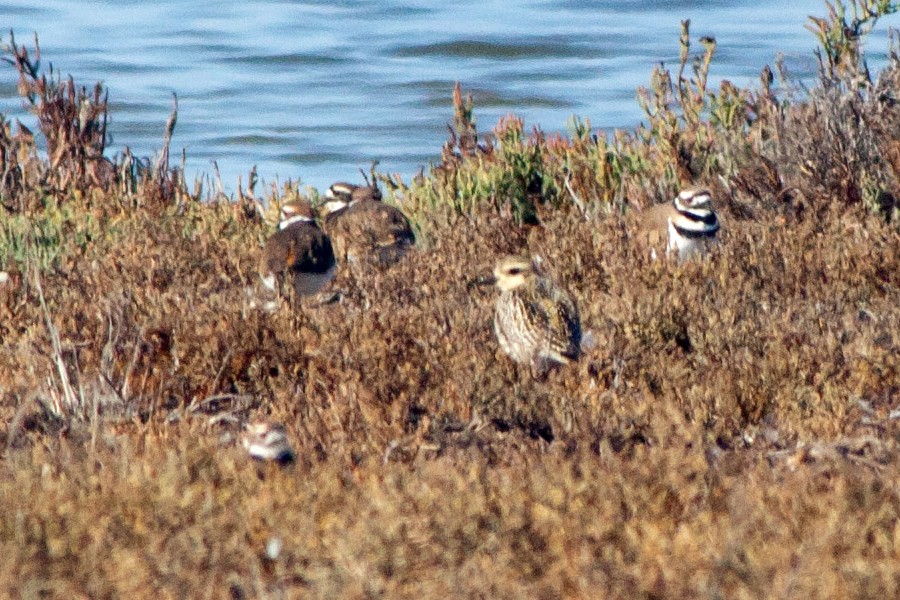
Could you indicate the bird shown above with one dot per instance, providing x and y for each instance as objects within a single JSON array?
[
  {"x": 299, "y": 251},
  {"x": 687, "y": 225},
  {"x": 8, "y": 286},
  {"x": 536, "y": 322},
  {"x": 268, "y": 442},
  {"x": 348, "y": 192},
  {"x": 362, "y": 227}
]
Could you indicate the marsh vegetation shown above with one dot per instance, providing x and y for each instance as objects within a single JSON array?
[{"x": 732, "y": 433}]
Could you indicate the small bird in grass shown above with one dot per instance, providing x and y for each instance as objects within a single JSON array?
[
  {"x": 536, "y": 322},
  {"x": 362, "y": 227},
  {"x": 6, "y": 285},
  {"x": 298, "y": 251},
  {"x": 687, "y": 225},
  {"x": 342, "y": 194},
  {"x": 268, "y": 442}
]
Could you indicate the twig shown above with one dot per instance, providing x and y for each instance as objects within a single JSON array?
[
  {"x": 68, "y": 393},
  {"x": 128, "y": 371},
  {"x": 220, "y": 188},
  {"x": 578, "y": 201},
  {"x": 162, "y": 167},
  {"x": 221, "y": 370},
  {"x": 198, "y": 405}
]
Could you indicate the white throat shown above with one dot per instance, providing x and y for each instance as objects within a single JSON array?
[
  {"x": 701, "y": 211},
  {"x": 285, "y": 223},
  {"x": 332, "y": 206},
  {"x": 697, "y": 226}
]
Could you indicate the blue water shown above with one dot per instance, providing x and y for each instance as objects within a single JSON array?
[{"x": 313, "y": 91}]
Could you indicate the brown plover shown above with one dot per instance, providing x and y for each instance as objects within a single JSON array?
[
  {"x": 362, "y": 227},
  {"x": 300, "y": 251}
]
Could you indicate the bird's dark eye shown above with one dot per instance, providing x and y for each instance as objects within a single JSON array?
[{"x": 515, "y": 271}]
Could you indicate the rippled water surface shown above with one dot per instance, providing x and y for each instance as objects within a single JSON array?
[{"x": 316, "y": 90}]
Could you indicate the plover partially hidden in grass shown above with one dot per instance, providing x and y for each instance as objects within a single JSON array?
[
  {"x": 9, "y": 283},
  {"x": 536, "y": 321},
  {"x": 348, "y": 193},
  {"x": 298, "y": 251},
  {"x": 362, "y": 227},
  {"x": 685, "y": 226},
  {"x": 268, "y": 442}
]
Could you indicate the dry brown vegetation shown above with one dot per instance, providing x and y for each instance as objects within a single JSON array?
[{"x": 734, "y": 433}]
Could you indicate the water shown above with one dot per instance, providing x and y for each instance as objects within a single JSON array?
[{"x": 317, "y": 90}]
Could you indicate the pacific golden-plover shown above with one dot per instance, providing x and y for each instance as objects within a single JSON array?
[{"x": 535, "y": 320}]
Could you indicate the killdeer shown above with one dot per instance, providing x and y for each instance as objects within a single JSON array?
[
  {"x": 536, "y": 322},
  {"x": 268, "y": 441},
  {"x": 299, "y": 250},
  {"x": 347, "y": 192},
  {"x": 362, "y": 226},
  {"x": 688, "y": 224}
]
